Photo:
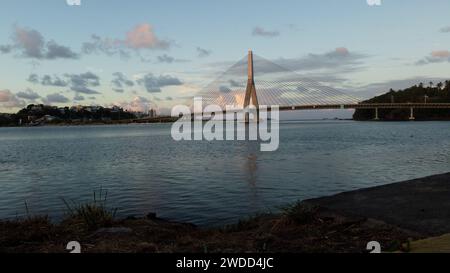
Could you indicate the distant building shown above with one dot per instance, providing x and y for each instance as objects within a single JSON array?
[{"x": 116, "y": 109}]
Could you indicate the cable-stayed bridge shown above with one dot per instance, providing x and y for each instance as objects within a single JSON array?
[{"x": 255, "y": 81}]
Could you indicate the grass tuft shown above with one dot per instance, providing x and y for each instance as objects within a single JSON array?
[
  {"x": 300, "y": 212},
  {"x": 93, "y": 215}
]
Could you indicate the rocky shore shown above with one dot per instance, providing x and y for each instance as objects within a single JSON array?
[{"x": 398, "y": 216}]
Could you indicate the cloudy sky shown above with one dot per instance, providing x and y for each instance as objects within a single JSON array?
[{"x": 141, "y": 54}]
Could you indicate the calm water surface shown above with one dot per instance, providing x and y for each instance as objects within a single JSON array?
[{"x": 209, "y": 183}]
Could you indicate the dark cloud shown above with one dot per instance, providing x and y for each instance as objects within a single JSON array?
[
  {"x": 56, "y": 51},
  {"x": 201, "y": 52},
  {"x": 82, "y": 83},
  {"x": 28, "y": 95},
  {"x": 259, "y": 31},
  {"x": 78, "y": 97},
  {"x": 56, "y": 98},
  {"x": 153, "y": 84},
  {"x": 48, "y": 80},
  {"x": 120, "y": 80},
  {"x": 84, "y": 90},
  {"x": 30, "y": 43},
  {"x": 224, "y": 89},
  {"x": 166, "y": 59}
]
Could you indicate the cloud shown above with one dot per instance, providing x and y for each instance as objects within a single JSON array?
[
  {"x": 234, "y": 83},
  {"x": 9, "y": 100},
  {"x": 81, "y": 83},
  {"x": 440, "y": 54},
  {"x": 201, "y": 52},
  {"x": 55, "y": 98},
  {"x": 338, "y": 61},
  {"x": 153, "y": 84},
  {"x": 437, "y": 56},
  {"x": 48, "y": 80},
  {"x": 339, "y": 58},
  {"x": 56, "y": 51},
  {"x": 259, "y": 31},
  {"x": 5, "y": 95},
  {"x": 166, "y": 59},
  {"x": 33, "y": 78},
  {"x": 78, "y": 97},
  {"x": 5, "y": 49},
  {"x": 224, "y": 89},
  {"x": 143, "y": 37},
  {"x": 375, "y": 89},
  {"x": 31, "y": 43},
  {"x": 445, "y": 29},
  {"x": 120, "y": 81},
  {"x": 106, "y": 46},
  {"x": 169, "y": 59},
  {"x": 137, "y": 104},
  {"x": 28, "y": 95}
]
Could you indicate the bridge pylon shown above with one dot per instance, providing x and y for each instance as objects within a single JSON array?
[{"x": 250, "y": 92}]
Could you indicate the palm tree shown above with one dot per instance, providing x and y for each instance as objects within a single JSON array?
[
  {"x": 447, "y": 84},
  {"x": 431, "y": 84},
  {"x": 439, "y": 85}
]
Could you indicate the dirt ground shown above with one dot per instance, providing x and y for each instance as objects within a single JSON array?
[{"x": 303, "y": 229}]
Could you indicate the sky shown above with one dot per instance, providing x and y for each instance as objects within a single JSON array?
[{"x": 142, "y": 54}]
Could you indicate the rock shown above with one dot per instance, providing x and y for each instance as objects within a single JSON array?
[
  {"x": 147, "y": 248},
  {"x": 151, "y": 216}
]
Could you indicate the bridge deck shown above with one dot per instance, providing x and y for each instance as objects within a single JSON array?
[
  {"x": 369, "y": 106},
  {"x": 354, "y": 106}
]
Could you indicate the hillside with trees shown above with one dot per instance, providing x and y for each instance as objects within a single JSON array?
[
  {"x": 421, "y": 93},
  {"x": 44, "y": 114}
]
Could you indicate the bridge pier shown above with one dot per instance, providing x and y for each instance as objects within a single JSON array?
[
  {"x": 376, "y": 114},
  {"x": 411, "y": 114},
  {"x": 250, "y": 92}
]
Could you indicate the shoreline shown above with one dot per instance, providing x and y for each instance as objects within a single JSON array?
[
  {"x": 345, "y": 222},
  {"x": 172, "y": 120}
]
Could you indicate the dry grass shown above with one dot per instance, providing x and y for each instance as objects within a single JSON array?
[
  {"x": 93, "y": 215},
  {"x": 299, "y": 228}
]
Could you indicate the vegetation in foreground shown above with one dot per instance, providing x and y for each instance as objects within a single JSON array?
[
  {"x": 299, "y": 228},
  {"x": 421, "y": 93}
]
